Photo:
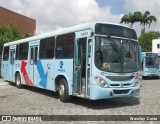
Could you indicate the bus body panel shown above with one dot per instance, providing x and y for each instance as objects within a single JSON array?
[
  {"x": 5, "y": 70},
  {"x": 63, "y": 67}
]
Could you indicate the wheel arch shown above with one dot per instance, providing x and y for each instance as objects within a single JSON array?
[
  {"x": 16, "y": 74},
  {"x": 56, "y": 83}
]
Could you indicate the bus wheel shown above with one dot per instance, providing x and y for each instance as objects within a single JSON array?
[
  {"x": 144, "y": 77},
  {"x": 18, "y": 80},
  {"x": 157, "y": 77},
  {"x": 63, "y": 91}
]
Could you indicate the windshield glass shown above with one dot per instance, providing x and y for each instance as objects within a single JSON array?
[
  {"x": 116, "y": 55},
  {"x": 152, "y": 62}
]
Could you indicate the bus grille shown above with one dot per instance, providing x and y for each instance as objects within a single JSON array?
[
  {"x": 120, "y": 91},
  {"x": 120, "y": 78}
]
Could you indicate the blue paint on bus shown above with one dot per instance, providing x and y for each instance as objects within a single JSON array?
[{"x": 42, "y": 74}]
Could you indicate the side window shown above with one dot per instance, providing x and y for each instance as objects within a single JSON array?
[
  {"x": 65, "y": 45},
  {"x": 158, "y": 46},
  {"x": 6, "y": 53},
  {"x": 23, "y": 51},
  {"x": 46, "y": 50}
]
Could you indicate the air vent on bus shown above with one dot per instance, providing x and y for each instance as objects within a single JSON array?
[
  {"x": 120, "y": 78},
  {"x": 120, "y": 91}
]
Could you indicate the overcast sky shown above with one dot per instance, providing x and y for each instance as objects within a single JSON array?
[{"x": 52, "y": 15}]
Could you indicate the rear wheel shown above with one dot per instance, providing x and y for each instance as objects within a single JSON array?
[
  {"x": 18, "y": 80},
  {"x": 63, "y": 91}
]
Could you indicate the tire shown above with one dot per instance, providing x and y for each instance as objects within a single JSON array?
[
  {"x": 18, "y": 81},
  {"x": 156, "y": 77},
  {"x": 63, "y": 91},
  {"x": 144, "y": 77}
]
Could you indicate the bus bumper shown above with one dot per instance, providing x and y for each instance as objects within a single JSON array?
[
  {"x": 150, "y": 74},
  {"x": 98, "y": 92}
]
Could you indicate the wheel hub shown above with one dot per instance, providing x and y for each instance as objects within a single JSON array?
[{"x": 61, "y": 89}]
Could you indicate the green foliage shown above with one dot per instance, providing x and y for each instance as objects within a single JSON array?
[
  {"x": 144, "y": 19},
  {"x": 145, "y": 40},
  {"x": 9, "y": 33},
  {"x": 129, "y": 19}
]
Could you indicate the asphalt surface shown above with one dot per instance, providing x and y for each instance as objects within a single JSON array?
[{"x": 35, "y": 101}]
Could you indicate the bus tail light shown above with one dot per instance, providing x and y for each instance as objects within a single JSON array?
[{"x": 101, "y": 82}]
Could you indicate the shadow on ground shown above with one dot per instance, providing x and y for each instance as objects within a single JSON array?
[
  {"x": 106, "y": 103},
  {"x": 92, "y": 104},
  {"x": 151, "y": 78}
]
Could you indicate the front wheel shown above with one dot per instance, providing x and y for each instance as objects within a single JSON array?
[
  {"x": 18, "y": 80},
  {"x": 63, "y": 91},
  {"x": 156, "y": 77}
]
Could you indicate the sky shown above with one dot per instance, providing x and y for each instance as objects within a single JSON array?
[{"x": 51, "y": 15}]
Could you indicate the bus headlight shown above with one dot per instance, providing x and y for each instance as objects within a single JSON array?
[
  {"x": 136, "y": 83},
  {"x": 101, "y": 82},
  {"x": 138, "y": 79},
  {"x": 147, "y": 71}
]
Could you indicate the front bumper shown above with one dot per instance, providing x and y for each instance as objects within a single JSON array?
[
  {"x": 98, "y": 92},
  {"x": 150, "y": 74}
]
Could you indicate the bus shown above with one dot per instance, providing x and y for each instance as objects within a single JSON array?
[
  {"x": 150, "y": 65},
  {"x": 159, "y": 60},
  {"x": 95, "y": 60}
]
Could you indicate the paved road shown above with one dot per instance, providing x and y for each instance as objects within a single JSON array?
[{"x": 36, "y": 101}]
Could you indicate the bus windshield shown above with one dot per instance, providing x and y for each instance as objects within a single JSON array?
[
  {"x": 116, "y": 55},
  {"x": 152, "y": 62}
]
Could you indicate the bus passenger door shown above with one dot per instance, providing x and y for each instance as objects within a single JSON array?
[
  {"x": 77, "y": 67},
  {"x": 82, "y": 67},
  {"x": 33, "y": 64},
  {"x": 11, "y": 64},
  {"x": 88, "y": 65}
]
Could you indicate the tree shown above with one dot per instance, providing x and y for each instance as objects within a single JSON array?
[
  {"x": 9, "y": 33},
  {"x": 130, "y": 19},
  {"x": 144, "y": 19},
  {"x": 145, "y": 40}
]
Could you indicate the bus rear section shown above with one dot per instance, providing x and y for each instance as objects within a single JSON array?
[{"x": 150, "y": 65}]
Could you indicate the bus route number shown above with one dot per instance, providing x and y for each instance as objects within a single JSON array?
[{"x": 84, "y": 34}]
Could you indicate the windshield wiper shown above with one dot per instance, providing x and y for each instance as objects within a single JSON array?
[{"x": 114, "y": 44}]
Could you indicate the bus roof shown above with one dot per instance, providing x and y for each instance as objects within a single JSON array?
[{"x": 80, "y": 27}]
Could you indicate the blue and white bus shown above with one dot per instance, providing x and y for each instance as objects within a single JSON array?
[
  {"x": 159, "y": 60},
  {"x": 150, "y": 65},
  {"x": 92, "y": 60}
]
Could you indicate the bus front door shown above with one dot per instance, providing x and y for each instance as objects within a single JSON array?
[
  {"x": 82, "y": 67},
  {"x": 33, "y": 64}
]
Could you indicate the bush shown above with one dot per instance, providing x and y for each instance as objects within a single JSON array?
[{"x": 145, "y": 40}]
